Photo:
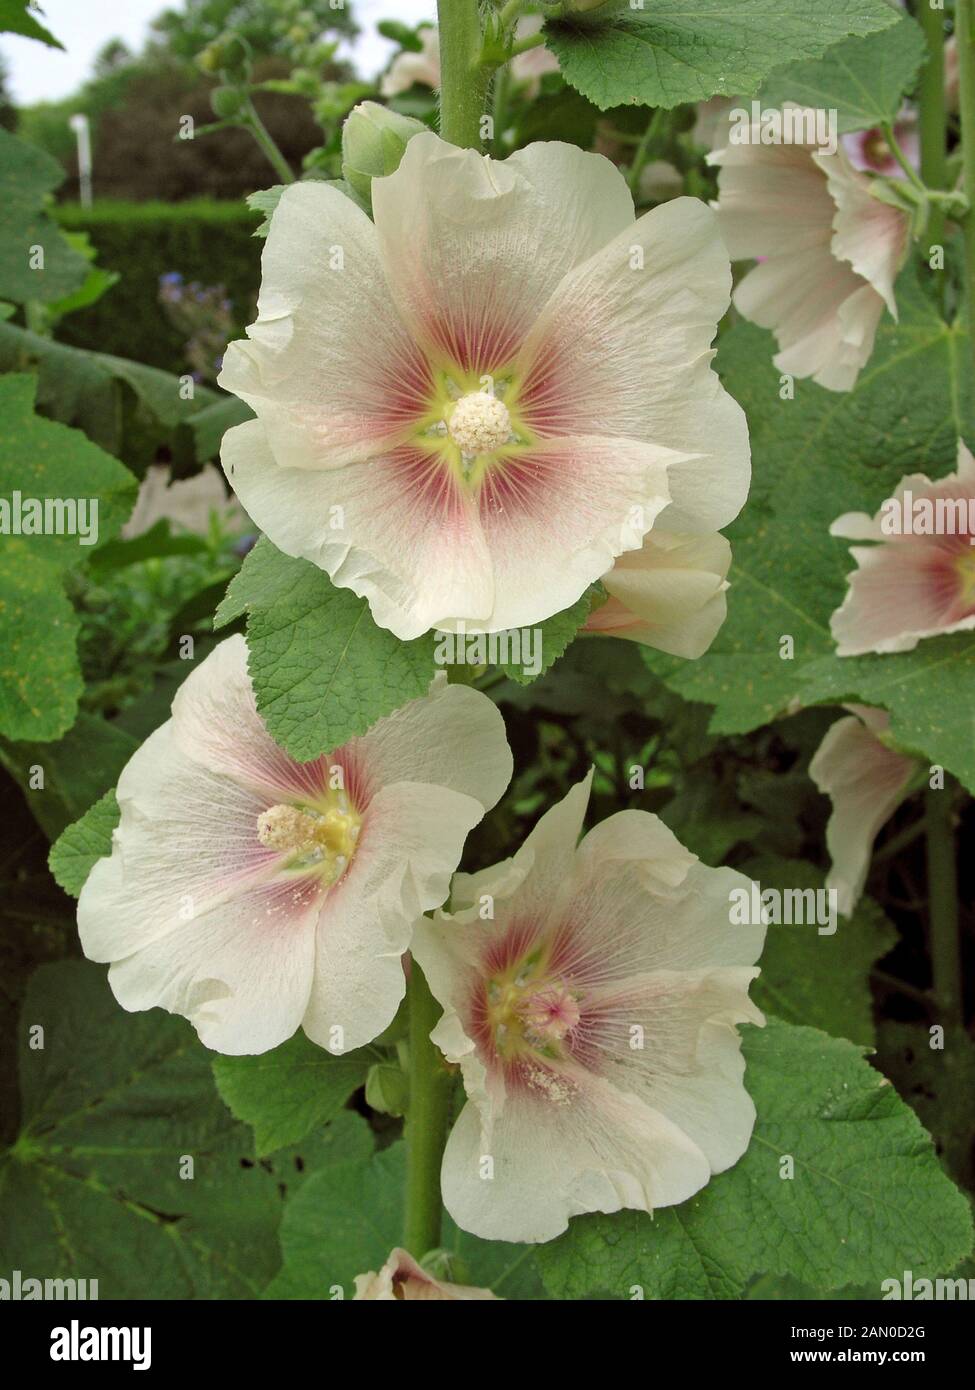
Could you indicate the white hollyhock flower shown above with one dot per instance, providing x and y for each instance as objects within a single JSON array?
[
  {"x": 670, "y": 594},
  {"x": 590, "y": 997},
  {"x": 466, "y": 412},
  {"x": 866, "y": 782},
  {"x": 829, "y": 253},
  {"x": 917, "y": 579},
  {"x": 401, "y": 1277},
  {"x": 254, "y": 894},
  {"x": 408, "y": 68}
]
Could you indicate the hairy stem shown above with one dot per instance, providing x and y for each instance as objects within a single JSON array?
[
  {"x": 932, "y": 103},
  {"x": 965, "y": 31},
  {"x": 463, "y": 80},
  {"x": 426, "y": 1121}
]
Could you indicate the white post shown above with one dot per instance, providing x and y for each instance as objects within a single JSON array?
[{"x": 82, "y": 129}]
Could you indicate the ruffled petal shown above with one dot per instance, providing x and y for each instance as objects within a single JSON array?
[
  {"x": 622, "y": 350},
  {"x": 327, "y": 367},
  {"x": 489, "y": 241},
  {"x": 866, "y": 782}
]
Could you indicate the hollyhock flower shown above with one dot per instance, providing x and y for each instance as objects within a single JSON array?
[
  {"x": 503, "y": 385},
  {"x": 829, "y": 253},
  {"x": 409, "y": 68},
  {"x": 590, "y": 997},
  {"x": 252, "y": 893},
  {"x": 869, "y": 150},
  {"x": 188, "y": 502},
  {"x": 918, "y": 579},
  {"x": 401, "y": 1277},
  {"x": 669, "y": 595},
  {"x": 866, "y": 781}
]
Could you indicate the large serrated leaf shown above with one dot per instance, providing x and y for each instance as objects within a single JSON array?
[
  {"x": 868, "y": 1197},
  {"x": 672, "y": 51}
]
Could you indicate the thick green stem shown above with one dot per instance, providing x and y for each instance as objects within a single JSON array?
[
  {"x": 965, "y": 31},
  {"x": 265, "y": 140},
  {"x": 944, "y": 941},
  {"x": 463, "y": 79},
  {"x": 426, "y": 1121},
  {"x": 932, "y": 102}
]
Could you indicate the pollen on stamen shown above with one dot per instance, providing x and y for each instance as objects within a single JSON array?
[{"x": 479, "y": 423}]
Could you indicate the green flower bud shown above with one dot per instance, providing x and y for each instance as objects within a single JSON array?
[
  {"x": 373, "y": 141},
  {"x": 387, "y": 1088},
  {"x": 227, "y": 102}
]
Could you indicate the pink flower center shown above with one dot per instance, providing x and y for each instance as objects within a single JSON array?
[{"x": 530, "y": 1013}]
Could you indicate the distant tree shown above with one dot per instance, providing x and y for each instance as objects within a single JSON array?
[
  {"x": 112, "y": 57},
  {"x": 263, "y": 23},
  {"x": 8, "y": 112}
]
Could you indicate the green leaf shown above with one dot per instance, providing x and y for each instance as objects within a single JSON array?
[
  {"x": 287, "y": 1093},
  {"x": 797, "y": 959},
  {"x": 322, "y": 670},
  {"x": 210, "y": 424},
  {"x": 127, "y": 408},
  {"x": 554, "y": 635},
  {"x": 39, "y": 677},
  {"x": 347, "y": 1218},
  {"x": 77, "y": 850},
  {"x": 15, "y": 18},
  {"x": 27, "y": 175},
  {"x": 862, "y": 79},
  {"x": 78, "y": 768},
  {"x": 868, "y": 1198},
  {"x": 96, "y": 1185},
  {"x": 675, "y": 51},
  {"x": 264, "y": 201},
  {"x": 813, "y": 458}
]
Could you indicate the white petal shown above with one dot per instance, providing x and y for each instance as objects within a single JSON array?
[
  {"x": 866, "y": 782},
  {"x": 623, "y": 350},
  {"x": 327, "y": 367},
  {"x": 488, "y": 242}
]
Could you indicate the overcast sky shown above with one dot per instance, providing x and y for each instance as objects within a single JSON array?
[{"x": 39, "y": 73}]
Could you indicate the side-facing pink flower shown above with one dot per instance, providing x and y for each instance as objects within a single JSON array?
[
  {"x": 401, "y": 1277},
  {"x": 468, "y": 410},
  {"x": 868, "y": 149},
  {"x": 590, "y": 997},
  {"x": 254, "y": 894},
  {"x": 829, "y": 253},
  {"x": 918, "y": 579},
  {"x": 866, "y": 781},
  {"x": 670, "y": 594}
]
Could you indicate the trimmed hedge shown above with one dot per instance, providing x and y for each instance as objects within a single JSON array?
[{"x": 202, "y": 239}]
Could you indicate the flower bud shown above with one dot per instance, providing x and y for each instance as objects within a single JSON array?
[
  {"x": 227, "y": 102},
  {"x": 373, "y": 141},
  {"x": 387, "y": 1088}
]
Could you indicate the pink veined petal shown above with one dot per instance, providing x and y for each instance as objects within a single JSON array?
[
  {"x": 872, "y": 236},
  {"x": 240, "y": 972},
  {"x": 902, "y": 593},
  {"x": 398, "y": 532},
  {"x": 489, "y": 241},
  {"x": 588, "y": 368},
  {"x": 411, "y": 841},
  {"x": 327, "y": 367},
  {"x": 866, "y": 782},
  {"x": 187, "y": 841}
]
